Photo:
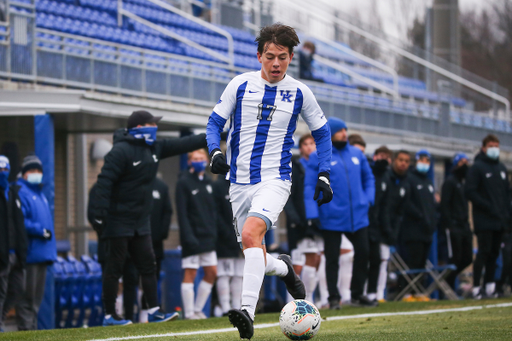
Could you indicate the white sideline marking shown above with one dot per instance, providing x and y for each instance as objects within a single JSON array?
[{"x": 332, "y": 318}]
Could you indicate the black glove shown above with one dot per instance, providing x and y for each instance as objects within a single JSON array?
[
  {"x": 47, "y": 234},
  {"x": 98, "y": 224},
  {"x": 218, "y": 164},
  {"x": 323, "y": 185}
]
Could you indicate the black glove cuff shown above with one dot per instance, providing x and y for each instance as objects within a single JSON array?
[
  {"x": 214, "y": 151},
  {"x": 325, "y": 174}
]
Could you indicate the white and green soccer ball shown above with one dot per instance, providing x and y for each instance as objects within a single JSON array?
[{"x": 300, "y": 320}]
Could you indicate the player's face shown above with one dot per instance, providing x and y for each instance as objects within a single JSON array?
[
  {"x": 401, "y": 163},
  {"x": 307, "y": 147},
  {"x": 274, "y": 62},
  {"x": 197, "y": 156},
  {"x": 340, "y": 135},
  {"x": 382, "y": 156}
]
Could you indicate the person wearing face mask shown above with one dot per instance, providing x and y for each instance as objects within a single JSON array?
[
  {"x": 42, "y": 248},
  {"x": 455, "y": 217},
  {"x": 419, "y": 221},
  {"x": 354, "y": 192},
  {"x": 122, "y": 205},
  {"x": 197, "y": 218},
  {"x": 376, "y": 214},
  {"x": 13, "y": 241},
  {"x": 487, "y": 187}
]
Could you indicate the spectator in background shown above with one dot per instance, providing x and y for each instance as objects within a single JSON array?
[
  {"x": 304, "y": 233},
  {"x": 378, "y": 217},
  {"x": 197, "y": 218},
  {"x": 306, "y": 55},
  {"x": 357, "y": 141},
  {"x": 397, "y": 196},
  {"x": 455, "y": 217},
  {"x": 230, "y": 266},
  {"x": 42, "y": 248},
  {"x": 13, "y": 244},
  {"x": 161, "y": 214},
  {"x": 123, "y": 203},
  {"x": 487, "y": 187},
  {"x": 419, "y": 221},
  {"x": 354, "y": 191}
]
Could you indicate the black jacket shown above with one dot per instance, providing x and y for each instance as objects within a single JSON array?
[
  {"x": 295, "y": 208},
  {"x": 377, "y": 213},
  {"x": 11, "y": 219},
  {"x": 487, "y": 188},
  {"x": 397, "y": 195},
  {"x": 197, "y": 214},
  {"x": 160, "y": 216},
  {"x": 420, "y": 210},
  {"x": 124, "y": 193},
  {"x": 102, "y": 248},
  {"x": 227, "y": 245},
  {"x": 454, "y": 205}
]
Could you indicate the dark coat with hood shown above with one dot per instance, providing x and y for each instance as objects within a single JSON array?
[
  {"x": 12, "y": 220},
  {"x": 487, "y": 187},
  {"x": 394, "y": 202},
  {"x": 420, "y": 211},
  {"x": 227, "y": 245},
  {"x": 124, "y": 193},
  {"x": 377, "y": 213},
  {"x": 454, "y": 204},
  {"x": 160, "y": 216}
]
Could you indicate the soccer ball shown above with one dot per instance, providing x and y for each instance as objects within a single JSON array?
[{"x": 300, "y": 320}]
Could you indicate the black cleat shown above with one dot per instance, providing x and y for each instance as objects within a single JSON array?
[
  {"x": 364, "y": 301},
  {"x": 293, "y": 283},
  {"x": 334, "y": 304},
  {"x": 241, "y": 320}
]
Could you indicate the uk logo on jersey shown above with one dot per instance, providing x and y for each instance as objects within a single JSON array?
[{"x": 286, "y": 97}]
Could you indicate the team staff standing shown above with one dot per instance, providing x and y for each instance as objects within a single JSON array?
[
  {"x": 197, "y": 218},
  {"x": 420, "y": 216},
  {"x": 455, "y": 217},
  {"x": 122, "y": 207},
  {"x": 487, "y": 187},
  {"x": 354, "y": 191},
  {"x": 13, "y": 243}
]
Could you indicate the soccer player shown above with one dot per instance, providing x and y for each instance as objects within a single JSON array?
[{"x": 264, "y": 107}]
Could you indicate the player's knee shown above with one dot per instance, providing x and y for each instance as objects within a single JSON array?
[{"x": 250, "y": 238}]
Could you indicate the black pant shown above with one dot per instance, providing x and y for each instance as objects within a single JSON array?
[
  {"x": 374, "y": 268},
  {"x": 332, "y": 242},
  {"x": 415, "y": 256},
  {"x": 462, "y": 253},
  {"x": 506, "y": 253},
  {"x": 158, "y": 268},
  {"x": 489, "y": 243},
  {"x": 140, "y": 248},
  {"x": 130, "y": 283}
]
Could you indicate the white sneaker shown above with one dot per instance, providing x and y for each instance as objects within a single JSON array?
[{"x": 199, "y": 315}]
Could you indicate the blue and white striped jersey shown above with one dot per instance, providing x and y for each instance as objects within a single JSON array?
[{"x": 263, "y": 119}]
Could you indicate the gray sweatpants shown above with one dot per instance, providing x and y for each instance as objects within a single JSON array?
[
  {"x": 12, "y": 282},
  {"x": 27, "y": 306}
]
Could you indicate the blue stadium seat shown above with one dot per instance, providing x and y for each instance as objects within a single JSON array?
[
  {"x": 60, "y": 292},
  {"x": 94, "y": 287},
  {"x": 79, "y": 291}
]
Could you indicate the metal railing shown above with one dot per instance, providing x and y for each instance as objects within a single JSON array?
[{"x": 230, "y": 59}]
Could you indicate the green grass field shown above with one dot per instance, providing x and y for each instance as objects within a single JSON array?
[{"x": 491, "y": 323}]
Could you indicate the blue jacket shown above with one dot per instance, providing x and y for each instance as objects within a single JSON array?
[
  {"x": 37, "y": 218},
  {"x": 353, "y": 186}
]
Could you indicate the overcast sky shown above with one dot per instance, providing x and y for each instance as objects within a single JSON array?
[{"x": 389, "y": 10}]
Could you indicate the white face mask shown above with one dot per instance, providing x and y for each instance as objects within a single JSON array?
[
  {"x": 35, "y": 178},
  {"x": 493, "y": 152}
]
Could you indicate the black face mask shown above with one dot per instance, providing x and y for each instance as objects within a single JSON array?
[
  {"x": 461, "y": 171},
  {"x": 339, "y": 144},
  {"x": 380, "y": 165}
]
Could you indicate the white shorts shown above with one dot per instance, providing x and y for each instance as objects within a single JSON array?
[
  {"x": 265, "y": 200},
  {"x": 298, "y": 258},
  {"x": 202, "y": 259},
  {"x": 345, "y": 243},
  {"x": 230, "y": 267},
  {"x": 311, "y": 245}
]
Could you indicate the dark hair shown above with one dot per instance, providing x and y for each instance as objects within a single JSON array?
[
  {"x": 402, "y": 151},
  {"x": 278, "y": 34},
  {"x": 490, "y": 138},
  {"x": 304, "y": 138},
  {"x": 356, "y": 139},
  {"x": 383, "y": 150},
  {"x": 310, "y": 45}
]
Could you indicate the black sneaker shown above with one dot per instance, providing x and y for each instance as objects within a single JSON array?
[
  {"x": 334, "y": 304},
  {"x": 241, "y": 320},
  {"x": 363, "y": 301},
  {"x": 293, "y": 283}
]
